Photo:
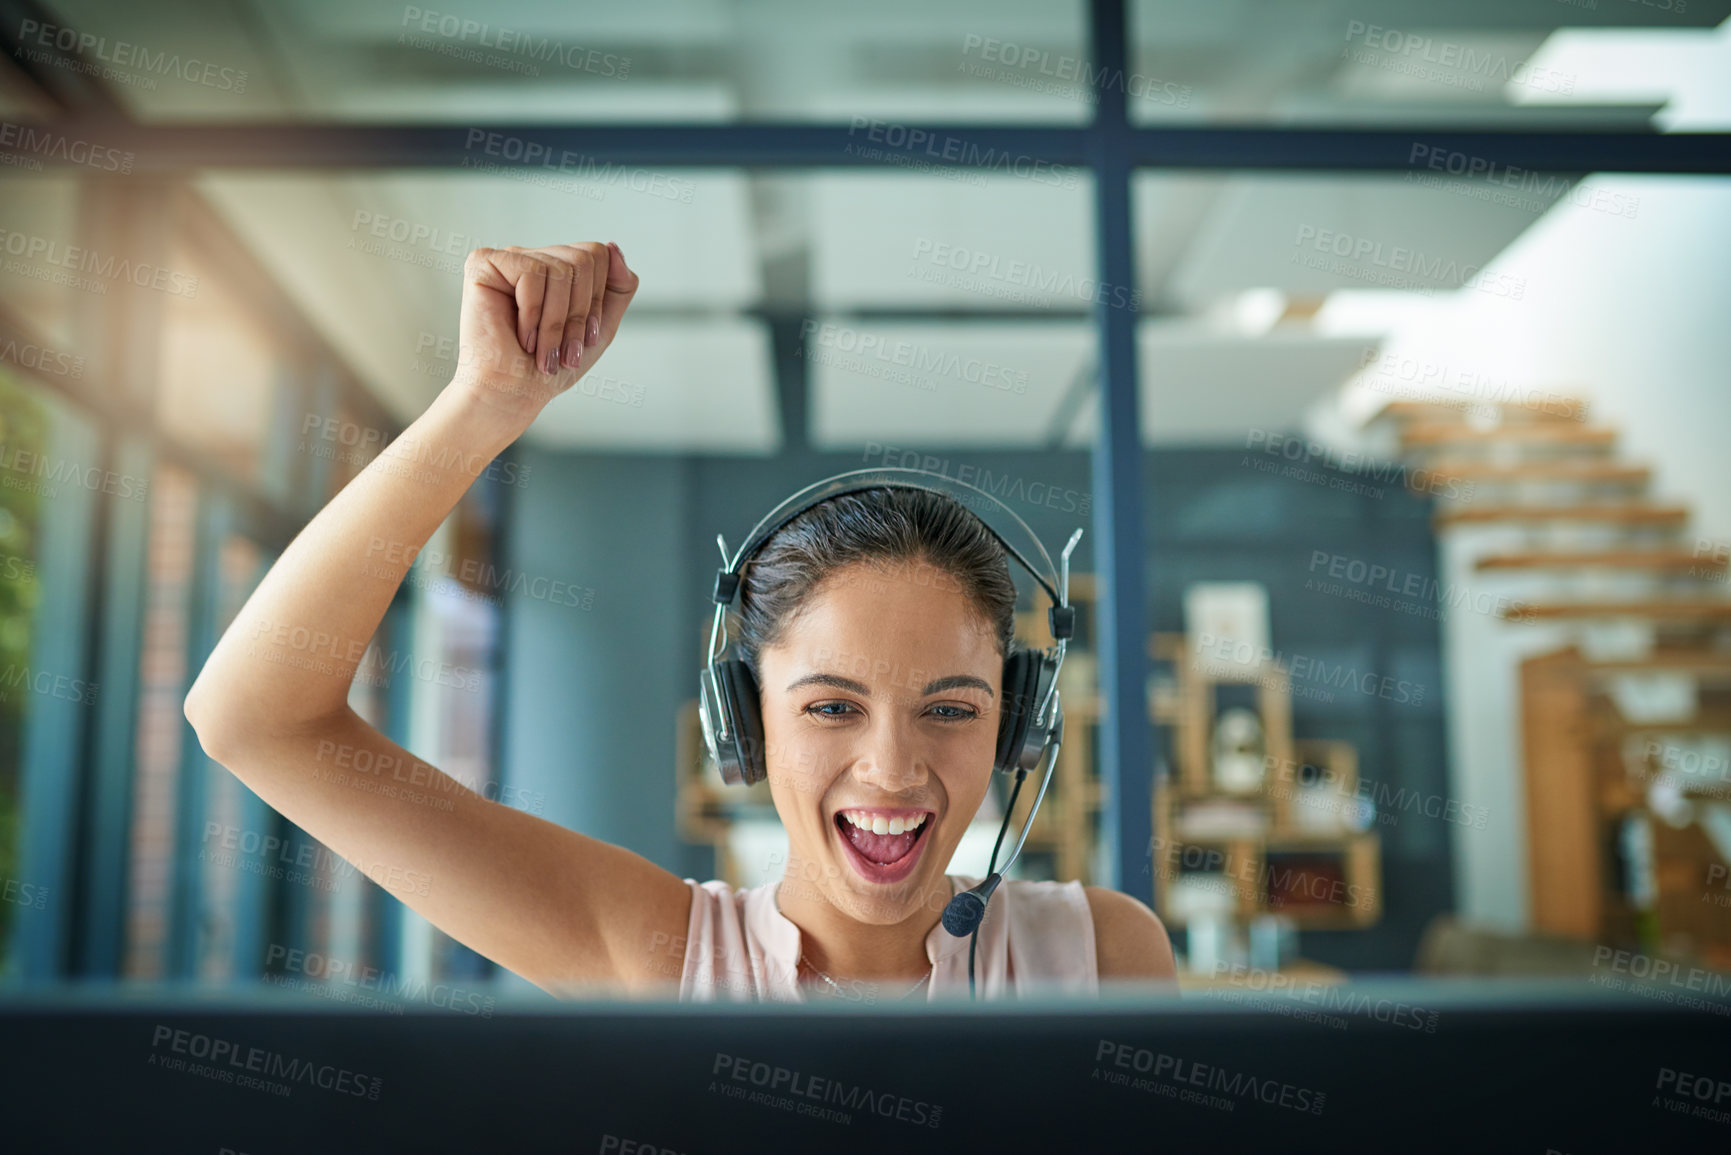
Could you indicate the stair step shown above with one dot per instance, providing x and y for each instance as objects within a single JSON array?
[
  {"x": 1677, "y": 610},
  {"x": 1696, "y": 660},
  {"x": 1586, "y": 472},
  {"x": 1619, "y": 513},
  {"x": 1649, "y": 559},
  {"x": 1548, "y": 433},
  {"x": 1552, "y": 408}
]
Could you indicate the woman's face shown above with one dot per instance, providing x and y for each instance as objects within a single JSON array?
[{"x": 880, "y": 703}]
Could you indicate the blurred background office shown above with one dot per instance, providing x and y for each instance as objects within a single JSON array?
[{"x": 1431, "y": 498}]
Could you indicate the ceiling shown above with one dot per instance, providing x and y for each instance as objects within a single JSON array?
[
  {"x": 952, "y": 272},
  {"x": 867, "y": 250},
  {"x": 1006, "y": 60}
]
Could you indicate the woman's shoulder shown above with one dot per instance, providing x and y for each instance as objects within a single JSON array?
[
  {"x": 713, "y": 888},
  {"x": 1123, "y": 937},
  {"x": 718, "y": 894},
  {"x": 729, "y": 921},
  {"x": 1105, "y": 907},
  {"x": 1130, "y": 940},
  {"x": 1048, "y": 904},
  {"x": 738, "y": 946},
  {"x": 1043, "y": 886},
  {"x": 1121, "y": 922},
  {"x": 749, "y": 909}
]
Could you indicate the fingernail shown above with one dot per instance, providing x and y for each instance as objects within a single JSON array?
[
  {"x": 530, "y": 347},
  {"x": 573, "y": 350},
  {"x": 592, "y": 331},
  {"x": 616, "y": 252},
  {"x": 550, "y": 362}
]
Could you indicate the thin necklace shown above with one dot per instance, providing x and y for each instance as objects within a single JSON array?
[{"x": 837, "y": 985}]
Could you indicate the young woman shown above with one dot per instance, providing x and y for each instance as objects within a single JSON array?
[{"x": 876, "y": 624}]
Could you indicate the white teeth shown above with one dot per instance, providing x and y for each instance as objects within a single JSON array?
[{"x": 879, "y": 825}]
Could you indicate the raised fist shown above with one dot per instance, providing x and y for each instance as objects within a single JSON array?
[{"x": 535, "y": 320}]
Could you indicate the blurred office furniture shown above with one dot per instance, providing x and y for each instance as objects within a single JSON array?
[
  {"x": 1451, "y": 948},
  {"x": 1297, "y": 975},
  {"x": 1294, "y": 844},
  {"x": 1454, "y": 948}
]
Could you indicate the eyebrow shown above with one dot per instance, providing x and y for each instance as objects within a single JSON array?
[{"x": 936, "y": 686}]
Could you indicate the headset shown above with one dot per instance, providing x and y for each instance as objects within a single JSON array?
[{"x": 1031, "y": 718}]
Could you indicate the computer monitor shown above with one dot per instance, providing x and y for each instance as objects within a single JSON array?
[{"x": 1404, "y": 1067}]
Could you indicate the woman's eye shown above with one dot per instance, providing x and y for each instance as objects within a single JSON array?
[{"x": 944, "y": 712}]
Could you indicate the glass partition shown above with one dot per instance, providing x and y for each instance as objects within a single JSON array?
[{"x": 1434, "y": 513}]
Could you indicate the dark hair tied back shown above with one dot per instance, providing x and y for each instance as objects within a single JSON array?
[{"x": 907, "y": 534}]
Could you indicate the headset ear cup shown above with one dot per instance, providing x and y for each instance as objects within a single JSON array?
[
  {"x": 716, "y": 719},
  {"x": 1014, "y": 711},
  {"x": 1028, "y": 675},
  {"x": 745, "y": 715},
  {"x": 1035, "y": 736}
]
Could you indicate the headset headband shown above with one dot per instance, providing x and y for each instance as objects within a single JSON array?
[
  {"x": 862, "y": 479},
  {"x": 1061, "y": 617}
]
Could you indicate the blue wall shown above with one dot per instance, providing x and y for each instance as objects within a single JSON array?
[{"x": 588, "y": 696}]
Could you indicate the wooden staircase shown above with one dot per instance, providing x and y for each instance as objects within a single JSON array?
[
  {"x": 1547, "y": 470},
  {"x": 1540, "y": 498}
]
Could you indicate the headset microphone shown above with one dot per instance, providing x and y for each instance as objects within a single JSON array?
[{"x": 968, "y": 908}]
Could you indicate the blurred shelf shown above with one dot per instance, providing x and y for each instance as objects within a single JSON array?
[{"x": 1714, "y": 611}]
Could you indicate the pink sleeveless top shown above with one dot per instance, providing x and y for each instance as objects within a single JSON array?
[{"x": 1037, "y": 938}]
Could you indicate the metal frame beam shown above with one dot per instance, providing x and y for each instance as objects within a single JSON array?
[
  {"x": 1125, "y": 739},
  {"x": 571, "y": 150}
]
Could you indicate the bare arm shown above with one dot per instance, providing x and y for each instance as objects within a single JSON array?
[
  {"x": 271, "y": 703},
  {"x": 1130, "y": 942}
]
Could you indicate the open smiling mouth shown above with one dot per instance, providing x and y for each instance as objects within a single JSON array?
[{"x": 882, "y": 856}]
